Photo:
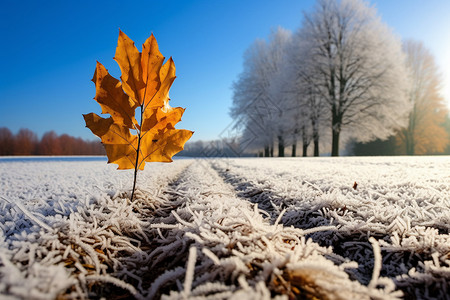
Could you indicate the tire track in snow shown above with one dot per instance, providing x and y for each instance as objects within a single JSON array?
[
  {"x": 306, "y": 216},
  {"x": 405, "y": 246},
  {"x": 218, "y": 245}
]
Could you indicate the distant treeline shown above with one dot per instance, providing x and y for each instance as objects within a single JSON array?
[
  {"x": 26, "y": 142},
  {"x": 216, "y": 148}
]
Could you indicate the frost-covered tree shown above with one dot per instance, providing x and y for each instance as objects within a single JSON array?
[
  {"x": 302, "y": 84},
  {"x": 256, "y": 99},
  {"x": 362, "y": 75},
  {"x": 276, "y": 52},
  {"x": 250, "y": 97},
  {"x": 425, "y": 132}
]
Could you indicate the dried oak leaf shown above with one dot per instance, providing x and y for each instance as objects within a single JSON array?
[{"x": 145, "y": 83}]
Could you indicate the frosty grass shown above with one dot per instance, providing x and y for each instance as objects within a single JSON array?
[{"x": 334, "y": 228}]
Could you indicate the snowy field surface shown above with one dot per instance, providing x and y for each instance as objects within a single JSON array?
[{"x": 309, "y": 228}]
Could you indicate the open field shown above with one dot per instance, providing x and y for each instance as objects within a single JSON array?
[{"x": 314, "y": 228}]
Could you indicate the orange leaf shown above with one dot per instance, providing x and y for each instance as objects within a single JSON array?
[
  {"x": 161, "y": 145},
  {"x": 112, "y": 99},
  {"x": 151, "y": 60},
  {"x": 160, "y": 118},
  {"x": 146, "y": 82},
  {"x": 109, "y": 131},
  {"x": 98, "y": 125},
  {"x": 129, "y": 60},
  {"x": 122, "y": 155}
]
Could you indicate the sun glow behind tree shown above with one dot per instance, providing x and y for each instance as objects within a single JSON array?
[{"x": 424, "y": 133}]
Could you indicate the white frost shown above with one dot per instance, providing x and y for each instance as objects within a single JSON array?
[{"x": 227, "y": 228}]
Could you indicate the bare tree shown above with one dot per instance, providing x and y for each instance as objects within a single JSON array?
[
  {"x": 25, "y": 142},
  {"x": 6, "y": 141},
  {"x": 50, "y": 144},
  {"x": 424, "y": 133},
  {"x": 361, "y": 70}
]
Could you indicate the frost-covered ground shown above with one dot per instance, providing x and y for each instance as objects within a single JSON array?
[{"x": 315, "y": 228}]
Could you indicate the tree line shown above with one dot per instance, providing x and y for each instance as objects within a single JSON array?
[
  {"x": 342, "y": 76},
  {"x": 26, "y": 142}
]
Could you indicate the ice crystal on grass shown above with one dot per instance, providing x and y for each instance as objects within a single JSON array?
[{"x": 245, "y": 228}]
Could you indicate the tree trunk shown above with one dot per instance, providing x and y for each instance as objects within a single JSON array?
[
  {"x": 409, "y": 143},
  {"x": 336, "y": 123},
  {"x": 316, "y": 146},
  {"x": 294, "y": 149},
  {"x": 305, "y": 150},
  {"x": 410, "y": 148},
  {"x": 266, "y": 151},
  {"x": 305, "y": 141},
  {"x": 271, "y": 151},
  {"x": 315, "y": 136},
  {"x": 335, "y": 143},
  {"x": 280, "y": 146}
]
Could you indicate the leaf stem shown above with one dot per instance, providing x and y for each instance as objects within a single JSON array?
[{"x": 136, "y": 165}]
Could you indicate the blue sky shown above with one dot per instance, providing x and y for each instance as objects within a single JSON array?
[{"x": 49, "y": 50}]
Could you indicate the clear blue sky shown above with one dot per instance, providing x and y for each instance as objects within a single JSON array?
[{"x": 49, "y": 50}]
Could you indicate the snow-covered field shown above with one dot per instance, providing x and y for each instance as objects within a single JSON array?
[{"x": 311, "y": 228}]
